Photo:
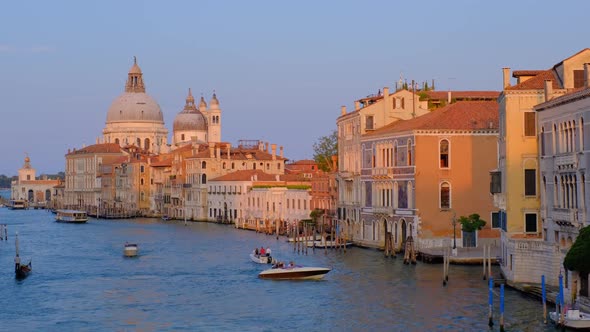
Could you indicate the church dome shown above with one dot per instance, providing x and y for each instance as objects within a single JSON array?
[
  {"x": 134, "y": 105},
  {"x": 190, "y": 118}
]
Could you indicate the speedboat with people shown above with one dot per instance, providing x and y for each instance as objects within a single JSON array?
[
  {"x": 572, "y": 318},
  {"x": 261, "y": 256},
  {"x": 294, "y": 272}
]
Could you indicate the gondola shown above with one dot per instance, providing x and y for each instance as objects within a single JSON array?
[{"x": 21, "y": 271}]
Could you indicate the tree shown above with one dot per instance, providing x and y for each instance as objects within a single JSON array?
[
  {"x": 324, "y": 149},
  {"x": 471, "y": 223},
  {"x": 578, "y": 257}
]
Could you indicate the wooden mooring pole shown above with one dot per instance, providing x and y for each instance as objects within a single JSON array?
[
  {"x": 544, "y": 296},
  {"x": 484, "y": 262},
  {"x": 489, "y": 261},
  {"x": 501, "y": 307},
  {"x": 490, "y": 302}
]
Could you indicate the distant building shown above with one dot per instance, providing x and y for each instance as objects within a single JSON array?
[{"x": 27, "y": 187}]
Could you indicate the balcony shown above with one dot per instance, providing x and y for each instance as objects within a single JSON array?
[
  {"x": 569, "y": 161},
  {"x": 566, "y": 217}
]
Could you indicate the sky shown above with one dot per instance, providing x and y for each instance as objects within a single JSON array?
[{"x": 280, "y": 69}]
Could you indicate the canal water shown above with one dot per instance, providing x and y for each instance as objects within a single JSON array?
[{"x": 199, "y": 278}]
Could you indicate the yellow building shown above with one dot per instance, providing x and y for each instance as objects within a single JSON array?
[{"x": 515, "y": 184}]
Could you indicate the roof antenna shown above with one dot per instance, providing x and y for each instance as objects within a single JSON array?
[{"x": 134, "y": 60}]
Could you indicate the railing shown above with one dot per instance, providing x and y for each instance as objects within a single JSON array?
[
  {"x": 568, "y": 215},
  {"x": 569, "y": 159}
]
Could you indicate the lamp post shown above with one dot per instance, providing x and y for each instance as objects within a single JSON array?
[{"x": 454, "y": 234}]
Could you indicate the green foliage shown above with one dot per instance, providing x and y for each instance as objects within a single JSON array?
[
  {"x": 578, "y": 257},
  {"x": 423, "y": 96},
  {"x": 315, "y": 214},
  {"x": 471, "y": 223},
  {"x": 324, "y": 149}
]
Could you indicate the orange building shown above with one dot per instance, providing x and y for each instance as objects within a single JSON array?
[{"x": 419, "y": 175}]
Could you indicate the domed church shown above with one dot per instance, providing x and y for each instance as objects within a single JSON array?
[
  {"x": 135, "y": 118},
  {"x": 191, "y": 125}
]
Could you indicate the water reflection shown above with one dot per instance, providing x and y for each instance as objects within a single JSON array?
[{"x": 199, "y": 277}]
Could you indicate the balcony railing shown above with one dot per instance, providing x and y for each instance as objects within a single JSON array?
[{"x": 570, "y": 160}]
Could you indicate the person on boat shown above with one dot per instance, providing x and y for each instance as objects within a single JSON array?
[
  {"x": 16, "y": 262},
  {"x": 291, "y": 264},
  {"x": 256, "y": 251},
  {"x": 262, "y": 251},
  {"x": 268, "y": 251}
]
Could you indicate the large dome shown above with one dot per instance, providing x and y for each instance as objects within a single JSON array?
[{"x": 135, "y": 107}]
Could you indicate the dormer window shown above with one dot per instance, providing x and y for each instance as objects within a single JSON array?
[{"x": 369, "y": 123}]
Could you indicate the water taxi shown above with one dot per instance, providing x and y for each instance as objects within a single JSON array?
[
  {"x": 293, "y": 272},
  {"x": 17, "y": 204},
  {"x": 71, "y": 216}
]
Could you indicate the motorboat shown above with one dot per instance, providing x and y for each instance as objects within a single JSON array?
[
  {"x": 165, "y": 218},
  {"x": 131, "y": 250},
  {"x": 572, "y": 318},
  {"x": 261, "y": 259},
  {"x": 71, "y": 216},
  {"x": 294, "y": 273},
  {"x": 327, "y": 244},
  {"x": 17, "y": 204}
]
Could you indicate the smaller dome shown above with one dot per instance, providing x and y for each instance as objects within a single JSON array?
[
  {"x": 193, "y": 121},
  {"x": 190, "y": 118}
]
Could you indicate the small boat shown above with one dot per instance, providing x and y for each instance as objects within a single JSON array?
[
  {"x": 294, "y": 273},
  {"x": 165, "y": 218},
  {"x": 260, "y": 258},
  {"x": 575, "y": 319},
  {"x": 17, "y": 204},
  {"x": 327, "y": 244},
  {"x": 131, "y": 250},
  {"x": 21, "y": 271},
  {"x": 304, "y": 238},
  {"x": 71, "y": 216}
]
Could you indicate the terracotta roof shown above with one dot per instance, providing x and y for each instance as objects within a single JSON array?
[
  {"x": 302, "y": 162},
  {"x": 98, "y": 148},
  {"x": 162, "y": 163},
  {"x": 537, "y": 82},
  {"x": 463, "y": 115},
  {"x": 572, "y": 96},
  {"x": 463, "y": 94},
  {"x": 518, "y": 73}
]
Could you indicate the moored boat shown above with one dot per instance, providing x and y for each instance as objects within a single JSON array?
[
  {"x": 17, "y": 204},
  {"x": 131, "y": 250},
  {"x": 71, "y": 216},
  {"x": 327, "y": 244},
  {"x": 294, "y": 273},
  {"x": 572, "y": 318}
]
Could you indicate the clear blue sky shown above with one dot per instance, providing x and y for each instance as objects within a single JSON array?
[{"x": 281, "y": 69}]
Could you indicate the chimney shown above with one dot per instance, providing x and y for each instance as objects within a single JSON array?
[
  {"x": 506, "y": 75},
  {"x": 281, "y": 151},
  {"x": 266, "y": 147},
  {"x": 342, "y": 110},
  {"x": 357, "y": 105},
  {"x": 228, "y": 150},
  {"x": 274, "y": 151},
  {"x": 587, "y": 75},
  {"x": 449, "y": 97},
  {"x": 548, "y": 90},
  {"x": 386, "y": 91}
]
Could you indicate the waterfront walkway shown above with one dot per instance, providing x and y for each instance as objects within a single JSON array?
[{"x": 464, "y": 255}]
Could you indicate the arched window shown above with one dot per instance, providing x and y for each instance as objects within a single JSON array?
[
  {"x": 223, "y": 165},
  {"x": 253, "y": 165},
  {"x": 582, "y": 134},
  {"x": 233, "y": 165},
  {"x": 182, "y": 137},
  {"x": 278, "y": 165},
  {"x": 204, "y": 179},
  {"x": 48, "y": 195},
  {"x": 444, "y": 153},
  {"x": 116, "y": 141},
  {"x": 138, "y": 142},
  {"x": 141, "y": 181},
  {"x": 146, "y": 144},
  {"x": 204, "y": 165},
  {"x": 445, "y": 195}
]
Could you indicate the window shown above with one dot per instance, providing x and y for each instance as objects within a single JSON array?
[
  {"x": 182, "y": 137},
  {"x": 369, "y": 124},
  {"x": 530, "y": 182},
  {"x": 445, "y": 196},
  {"x": 444, "y": 153},
  {"x": 141, "y": 168},
  {"x": 203, "y": 165},
  {"x": 496, "y": 220},
  {"x": 495, "y": 182},
  {"x": 530, "y": 220},
  {"x": 529, "y": 124},
  {"x": 204, "y": 179},
  {"x": 578, "y": 78}
]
